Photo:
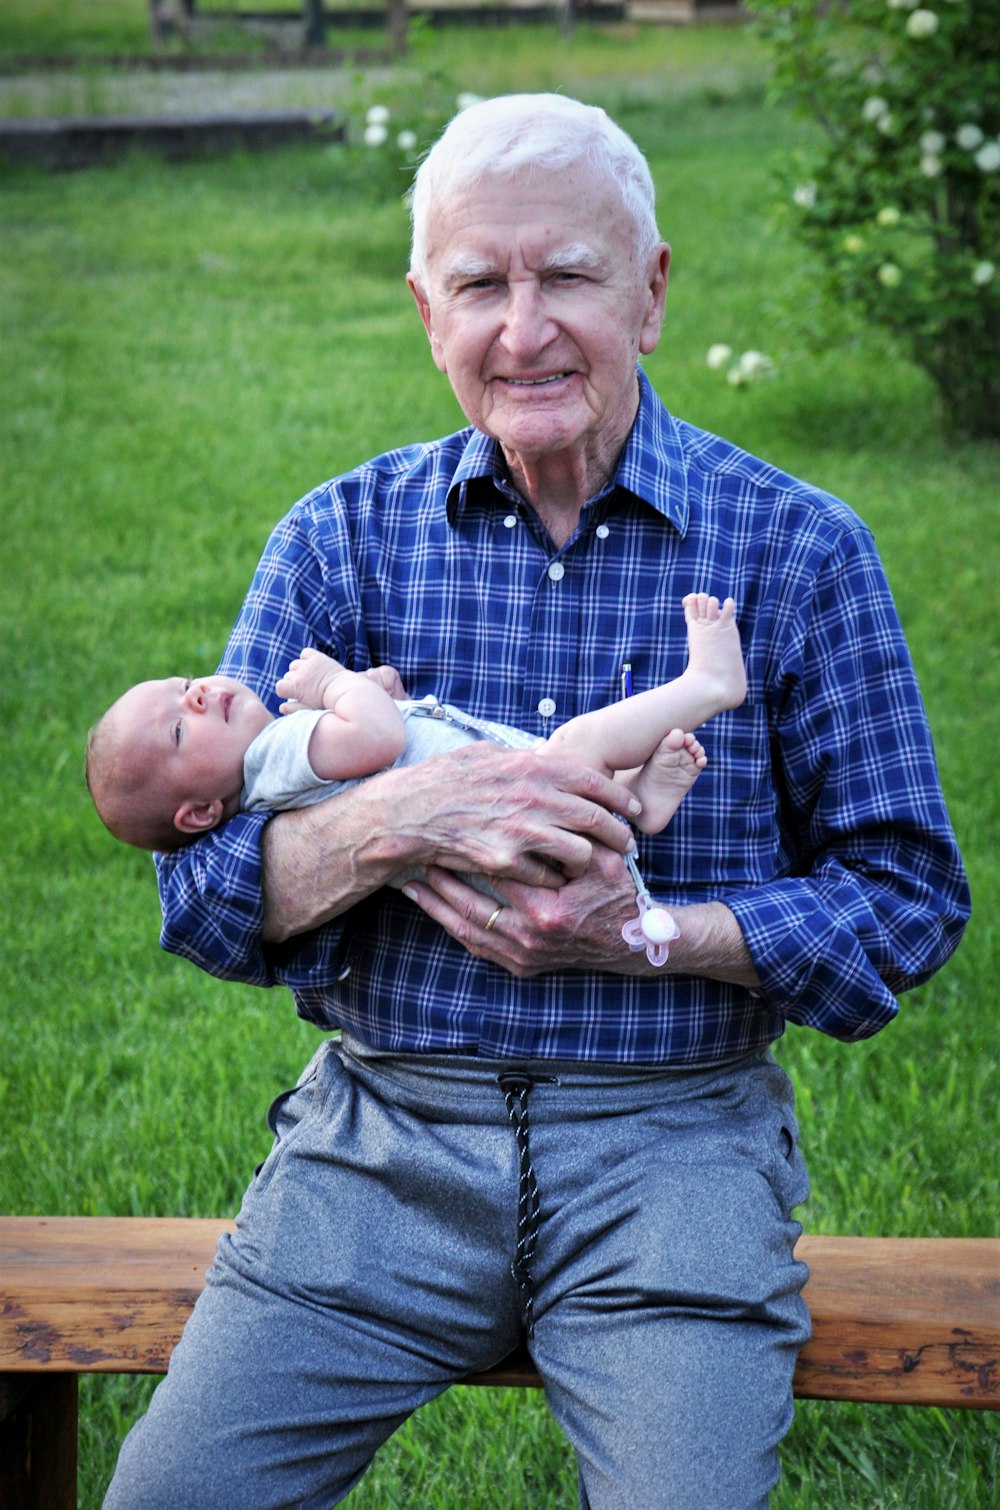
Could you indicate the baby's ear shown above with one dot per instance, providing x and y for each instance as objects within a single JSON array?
[{"x": 198, "y": 817}]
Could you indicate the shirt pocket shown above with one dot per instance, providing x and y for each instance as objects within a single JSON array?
[{"x": 726, "y": 832}]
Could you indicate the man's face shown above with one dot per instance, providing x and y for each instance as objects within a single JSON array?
[
  {"x": 537, "y": 308},
  {"x": 192, "y": 733}
]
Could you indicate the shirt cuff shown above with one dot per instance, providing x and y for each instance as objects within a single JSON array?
[
  {"x": 212, "y": 902},
  {"x": 812, "y": 968}
]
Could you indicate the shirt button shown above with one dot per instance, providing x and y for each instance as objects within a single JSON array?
[
  {"x": 510, "y": 521},
  {"x": 546, "y": 707},
  {"x": 602, "y": 532},
  {"x": 557, "y": 571}
]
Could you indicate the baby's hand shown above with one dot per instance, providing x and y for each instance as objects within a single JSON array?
[
  {"x": 305, "y": 682},
  {"x": 388, "y": 678}
]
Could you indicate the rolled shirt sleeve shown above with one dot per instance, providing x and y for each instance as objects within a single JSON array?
[
  {"x": 877, "y": 900},
  {"x": 211, "y": 892}
]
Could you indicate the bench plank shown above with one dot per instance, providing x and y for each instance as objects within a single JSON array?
[{"x": 895, "y": 1320}]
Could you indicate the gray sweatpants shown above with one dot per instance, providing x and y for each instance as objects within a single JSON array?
[{"x": 415, "y": 1217}]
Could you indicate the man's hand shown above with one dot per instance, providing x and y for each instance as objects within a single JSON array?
[
  {"x": 510, "y": 814},
  {"x": 573, "y": 926},
  {"x": 578, "y": 926},
  {"x": 506, "y": 813}
]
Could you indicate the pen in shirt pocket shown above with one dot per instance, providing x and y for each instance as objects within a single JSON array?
[{"x": 626, "y": 679}]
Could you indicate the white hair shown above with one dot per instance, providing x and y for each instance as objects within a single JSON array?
[{"x": 521, "y": 133}]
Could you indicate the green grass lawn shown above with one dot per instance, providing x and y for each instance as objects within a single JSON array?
[{"x": 187, "y": 350}]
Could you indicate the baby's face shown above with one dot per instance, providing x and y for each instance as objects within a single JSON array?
[{"x": 194, "y": 733}]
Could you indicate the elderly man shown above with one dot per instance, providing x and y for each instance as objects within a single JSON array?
[{"x": 525, "y": 1130}]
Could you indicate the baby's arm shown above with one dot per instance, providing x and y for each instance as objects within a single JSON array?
[{"x": 364, "y": 733}]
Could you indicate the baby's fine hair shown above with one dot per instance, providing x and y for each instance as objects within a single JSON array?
[
  {"x": 529, "y": 131},
  {"x": 132, "y": 807}
]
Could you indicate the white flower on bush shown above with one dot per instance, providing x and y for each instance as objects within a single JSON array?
[
  {"x": 754, "y": 364},
  {"x": 886, "y": 124},
  {"x": 889, "y": 275},
  {"x": 969, "y": 137},
  {"x": 854, "y": 244},
  {"x": 377, "y": 115},
  {"x": 874, "y": 108},
  {"x": 983, "y": 273},
  {"x": 903, "y": 4},
  {"x": 804, "y": 196},
  {"x": 718, "y": 355},
  {"x": 406, "y": 141},
  {"x": 467, "y": 98},
  {"x": 932, "y": 143},
  {"x": 922, "y": 23},
  {"x": 375, "y": 134},
  {"x": 988, "y": 157},
  {"x": 751, "y": 367},
  {"x": 888, "y": 215},
  {"x": 930, "y": 166}
]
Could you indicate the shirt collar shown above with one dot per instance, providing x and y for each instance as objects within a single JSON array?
[{"x": 650, "y": 468}]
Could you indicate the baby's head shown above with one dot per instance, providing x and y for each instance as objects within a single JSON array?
[{"x": 165, "y": 763}]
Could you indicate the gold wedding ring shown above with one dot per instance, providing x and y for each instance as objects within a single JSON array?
[{"x": 493, "y": 917}]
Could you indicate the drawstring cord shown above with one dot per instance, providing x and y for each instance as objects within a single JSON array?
[{"x": 515, "y": 1086}]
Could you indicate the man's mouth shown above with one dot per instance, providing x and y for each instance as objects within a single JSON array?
[{"x": 538, "y": 382}]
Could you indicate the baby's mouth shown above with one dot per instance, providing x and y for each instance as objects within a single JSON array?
[{"x": 227, "y": 702}]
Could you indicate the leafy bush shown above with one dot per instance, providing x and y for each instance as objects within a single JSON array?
[{"x": 901, "y": 198}]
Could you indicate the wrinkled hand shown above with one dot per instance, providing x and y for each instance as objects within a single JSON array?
[
  {"x": 543, "y": 831},
  {"x": 576, "y": 926},
  {"x": 510, "y": 814}
]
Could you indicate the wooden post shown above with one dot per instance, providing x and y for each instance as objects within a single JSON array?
[
  {"x": 397, "y": 24},
  {"x": 315, "y": 18},
  {"x": 38, "y": 1436}
]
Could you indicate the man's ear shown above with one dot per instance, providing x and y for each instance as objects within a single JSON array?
[
  {"x": 424, "y": 306},
  {"x": 657, "y": 271},
  {"x": 198, "y": 817}
]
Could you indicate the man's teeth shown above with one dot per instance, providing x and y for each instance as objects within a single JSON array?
[{"x": 535, "y": 382}]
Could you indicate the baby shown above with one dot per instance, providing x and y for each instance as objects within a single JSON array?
[{"x": 172, "y": 759}]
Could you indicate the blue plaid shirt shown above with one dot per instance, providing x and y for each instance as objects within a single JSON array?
[{"x": 819, "y": 821}]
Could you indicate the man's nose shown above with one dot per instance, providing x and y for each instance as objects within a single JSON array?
[{"x": 528, "y": 326}]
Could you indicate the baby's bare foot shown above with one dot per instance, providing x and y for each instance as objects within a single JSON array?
[
  {"x": 666, "y": 778},
  {"x": 714, "y": 649}
]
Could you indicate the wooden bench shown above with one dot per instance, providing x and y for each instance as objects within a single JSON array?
[{"x": 898, "y": 1320}]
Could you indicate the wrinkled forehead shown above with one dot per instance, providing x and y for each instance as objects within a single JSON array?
[
  {"x": 575, "y": 216},
  {"x": 580, "y": 181}
]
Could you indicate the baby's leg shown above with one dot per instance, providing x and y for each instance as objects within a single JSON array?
[
  {"x": 626, "y": 734},
  {"x": 715, "y": 655},
  {"x": 665, "y": 780}
]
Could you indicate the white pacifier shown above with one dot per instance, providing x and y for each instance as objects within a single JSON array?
[{"x": 652, "y": 928}]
